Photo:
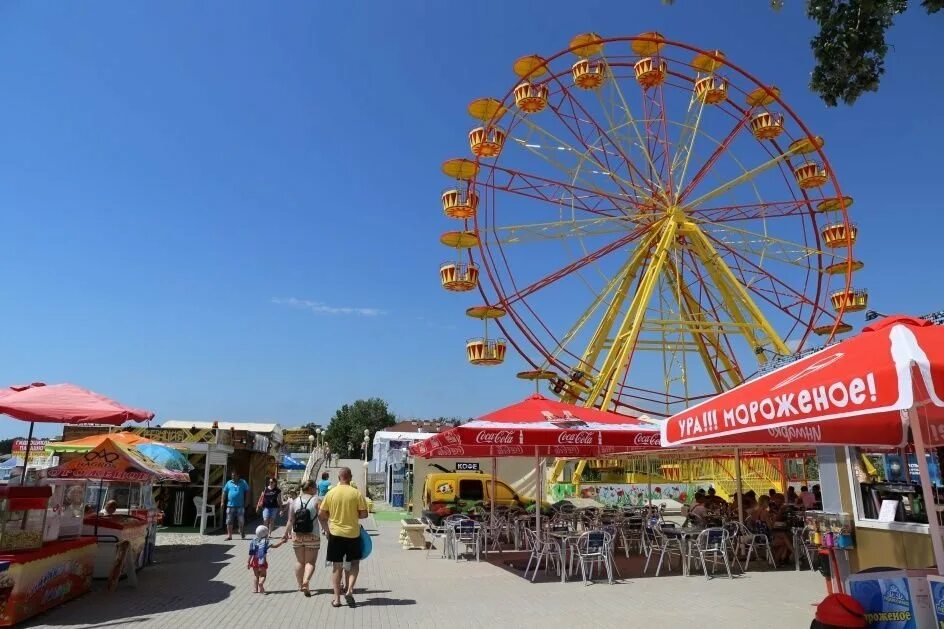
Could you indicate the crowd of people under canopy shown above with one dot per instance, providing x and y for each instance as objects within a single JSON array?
[{"x": 770, "y": 514}]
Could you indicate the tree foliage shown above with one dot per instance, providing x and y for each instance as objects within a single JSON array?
[
  {"x": 850, "y": 47},
  {"x": 6, "y": 446},
  {"x": 349, "y": 422}
]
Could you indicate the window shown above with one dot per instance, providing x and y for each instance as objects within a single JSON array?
[
  {"x": 471, "y": 489},
  {"x": 888, "y": 478}
]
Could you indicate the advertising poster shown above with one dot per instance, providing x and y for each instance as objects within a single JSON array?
[
  {"x": 896, "y": 599},
  {"x": 36, "y": 585},
  {"x": 937, "y": 599}
]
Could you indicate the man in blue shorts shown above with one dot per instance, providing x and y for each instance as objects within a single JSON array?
[{"x": 235, "y": 495}]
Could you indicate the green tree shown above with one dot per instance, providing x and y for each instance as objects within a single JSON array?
[
  {"x": 850, "y": 47},
  {"x": 349, "y": 422},
  {"x": 6, "y": 446}
]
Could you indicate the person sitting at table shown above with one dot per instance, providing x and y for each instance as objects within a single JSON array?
[
  {"x": 791, "y": 495},
  {"x": 713, "y": 500},
  {"x": 700, "y": 510},
  {"x": 110, "y": 507},
  {"x": 818, "y": 495},
  {"x": 750, "y": 500},
  {"x": 806, "y": 499}
]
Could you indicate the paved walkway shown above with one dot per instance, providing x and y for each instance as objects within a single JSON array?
[{"x": 204, "y": 583}]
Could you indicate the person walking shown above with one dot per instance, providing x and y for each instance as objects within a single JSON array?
[
  {"x": 340, "y": 515},
  {"x": 270, "y": 503},
  {"x": 303, "y": 527},
  {"x": 234, "y": 499},
  {"x": 324, "y": 484}
]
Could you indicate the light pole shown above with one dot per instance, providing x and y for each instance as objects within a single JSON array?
[
  {"x": 366, "y": 444},
  {"x": 311, "y": 444}
]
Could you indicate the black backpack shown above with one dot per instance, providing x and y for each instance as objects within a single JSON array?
[{"x": 303, "y": 522}]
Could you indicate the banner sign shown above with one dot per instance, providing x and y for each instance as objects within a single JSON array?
[
  {"x": 37, "y": 448},
  {"x": 218, "y": 436},
  {"x": 897, "y": 599},
  {"x": 867, "y": 377},
  {"x": 467, "y": 467},
  {"x": 296, "y": 436},
  {"x": 937, "y": 599}
]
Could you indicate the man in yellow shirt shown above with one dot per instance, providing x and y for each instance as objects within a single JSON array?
[{"x": 341, "y": 511}]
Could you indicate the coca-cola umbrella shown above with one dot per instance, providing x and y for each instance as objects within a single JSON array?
[
  {"x": 857, "y": 392},
  {"x": 540, "y": 427},
  {"x": 63, "y": 404}
]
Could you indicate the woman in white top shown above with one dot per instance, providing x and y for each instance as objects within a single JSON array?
[{"x": 305, "y": 533}]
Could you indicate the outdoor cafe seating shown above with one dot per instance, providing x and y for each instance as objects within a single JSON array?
[{"x": 586, "y": 541}]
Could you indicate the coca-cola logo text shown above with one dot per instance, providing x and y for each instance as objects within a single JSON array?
[
  {"x": 647, "y": 440},
  {"x": 497, "y": 437},
  {"x": 576, "y": 438}
]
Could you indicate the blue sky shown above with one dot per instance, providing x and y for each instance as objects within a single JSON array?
[{"x": 229, "y": 210}]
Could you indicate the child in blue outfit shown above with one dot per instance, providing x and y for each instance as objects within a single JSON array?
[{"x": 258, "y": 560}]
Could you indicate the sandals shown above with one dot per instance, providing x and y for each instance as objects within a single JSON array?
[
  {"x": 336, "y": 604},
  {"x": 304, "y": 590},
  {"x": 350, "y": 600}
]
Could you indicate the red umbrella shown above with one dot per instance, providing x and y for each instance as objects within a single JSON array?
[
  {"x": 857, "y": 392},
  {"x": 64, "y": 404},
  {"x": 538, "y": 426}
]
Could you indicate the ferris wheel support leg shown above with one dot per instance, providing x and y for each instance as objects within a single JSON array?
[
  {"x": 625, "y": 340},
  {"x": 602, "y": 333},
  {"x": 733, "y": 290},
  {"x": 705, "y": 341}
]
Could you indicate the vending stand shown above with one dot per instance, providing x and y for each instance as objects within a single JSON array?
[
  {"x": 36, "y": 575},
  {"x": 114, "y": 464}
]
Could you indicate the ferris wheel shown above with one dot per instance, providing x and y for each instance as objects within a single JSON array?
[{"x": 646, "y": 224}]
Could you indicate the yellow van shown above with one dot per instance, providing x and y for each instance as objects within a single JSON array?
[{"x": 445, "y": 493}]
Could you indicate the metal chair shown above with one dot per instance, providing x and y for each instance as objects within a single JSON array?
[
  {"x": 469, "y": 534},
  {"x": 658, "y": 542},
  {"x": 594, "y": 548},
  {"x": 435, "y": 532},
  {"x": 546, "y": 549},
  {"x": 449, "y": 523},
  {"x": 752, "y": 541},
  {"x": 713, "y": 542}
]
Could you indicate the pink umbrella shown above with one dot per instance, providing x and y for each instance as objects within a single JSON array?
[{"x": 63, "y": 404}]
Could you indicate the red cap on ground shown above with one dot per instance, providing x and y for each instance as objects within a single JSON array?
[{"x": 840, "y": 610}]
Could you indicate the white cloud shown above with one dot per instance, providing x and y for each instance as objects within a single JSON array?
[{"x": 321, "y": 308}]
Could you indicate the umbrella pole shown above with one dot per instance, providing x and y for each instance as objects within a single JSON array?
[
  {"x": 99, "y": 505},
  {"x": 649, "y": 479},
  {"x": 206, "y": 490},
  {"x": 492, "y": 510},
  {"x": 740, "y": 487},
  {"x": 29, "y": 442},
  {"x": 537, "y": 493}
]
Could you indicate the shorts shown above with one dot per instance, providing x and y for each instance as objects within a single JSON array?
[
  {"x": 341, "y": 549},
  {"x": 270, "y": 513},
  {"x": 235, "y": 514},
  {"x": 261, "y": 568},
  {"x": 306, "y": 540}
]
